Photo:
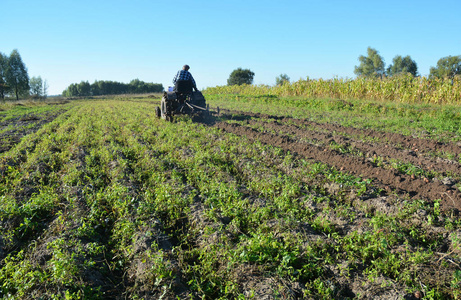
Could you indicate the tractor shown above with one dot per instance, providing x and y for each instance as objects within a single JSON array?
[{"x": 182, "y": 100}]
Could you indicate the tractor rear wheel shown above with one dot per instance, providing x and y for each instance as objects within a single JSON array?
[{"x": 163, "y": 110}]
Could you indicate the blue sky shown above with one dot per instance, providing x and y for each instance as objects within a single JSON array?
[{"x": 66, "y": 41}]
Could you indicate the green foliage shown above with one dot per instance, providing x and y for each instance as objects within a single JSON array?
[
  {"x": 137, "y": 86},
  {"x": 402, "y": 65},
  {"x": 240, "y": 76},
  {"x": 448, "y": 66},
  {"x": 38, "y": 87},
  {"x": 101, "y": 87},
  {"x": 3, "y": 84},
  {"x": 84, "y": 88},
  {"x": 283, "y": 78},
  {"x": 16, "y": 75},
  {"x": 127, "y": 204},
  {"x": 371, "y": 65},
  {"x": 18, "y": 276}
]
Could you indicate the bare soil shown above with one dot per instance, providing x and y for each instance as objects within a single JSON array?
[
  {"x": 291, "y": 135},
  {"x": 21, "y": 126}
]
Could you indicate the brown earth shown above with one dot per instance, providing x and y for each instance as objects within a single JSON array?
[
  {"x": 312, "y": 140},
  {"x": 391, "y": 137},
  {"x": 17, "y": 128}
]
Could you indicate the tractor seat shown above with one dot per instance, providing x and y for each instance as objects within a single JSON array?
[{"x": 183, "y": 86}]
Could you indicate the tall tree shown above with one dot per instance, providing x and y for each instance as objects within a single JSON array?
[
  {"x": 240, "y": 76},
  {"x": 84, "y": 88},
  {"x": 371, "y": 65},
  {"x": 71, "y": 91},
  {"x": 448, "y": 66},
  {"x": 45, "y": 89},
  {"x": 36, "y": 86},
  {"x": 402, "y": 65},
  {"x": 280, "y": 80},
  {"x": 3, "y": 65},
  {"x": 16, "y": 75},
  {"x": 137, "y": 86}
]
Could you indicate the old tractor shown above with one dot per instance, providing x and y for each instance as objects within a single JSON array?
[{"x": 182, "y": 100}]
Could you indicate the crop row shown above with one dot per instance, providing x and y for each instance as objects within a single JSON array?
[{"x": 107, "y": 200}]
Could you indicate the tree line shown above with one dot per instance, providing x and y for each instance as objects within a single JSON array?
[
  {"x": 104, "y": 87},
  {"x": 371, "y": 65},
  {"x": 15, "y": 81}
]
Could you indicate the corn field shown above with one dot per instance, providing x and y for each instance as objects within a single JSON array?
[{"x": 405, "y": 89}]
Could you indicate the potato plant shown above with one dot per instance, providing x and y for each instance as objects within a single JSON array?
[{"x": 108, "y": 201}]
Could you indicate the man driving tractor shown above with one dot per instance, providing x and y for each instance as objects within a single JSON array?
[
  {"x": 182, "y": 99},
  {"x": 184, "y": 74}
]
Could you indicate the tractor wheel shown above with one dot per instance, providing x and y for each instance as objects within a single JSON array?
[
  {"x": 158, "y": 112},
  {"x": 163, "y": 110}
]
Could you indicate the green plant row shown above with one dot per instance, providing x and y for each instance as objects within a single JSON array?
[{"x": 108, "y": 200}]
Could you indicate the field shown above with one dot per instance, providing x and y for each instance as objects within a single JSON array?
[{"x": 271, "y": 198}]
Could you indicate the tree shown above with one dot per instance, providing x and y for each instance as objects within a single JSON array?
[
  {"x": 240, "y": 76},
  {"x": 371, "y": 65},
  {"x": 84, "y": 88},
  {"x": 36, "y": 87},
  {"x": 448, "y": 66},
  {"x": 137, "y": 86},
  {"x": 16, "y": 75},
  {"x": 71, "y": 91},
  {"x": 402, "y": 65},
  {"x": 280, "y": 80},
  {"x": 101, "y": 87},
  {"x": 45, "y": 89},
  {"x": 3, "y": 65}
]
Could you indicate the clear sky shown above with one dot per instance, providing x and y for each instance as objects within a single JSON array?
[{"x": 67, "y": 41}]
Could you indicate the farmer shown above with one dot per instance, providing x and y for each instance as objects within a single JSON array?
[{"x": 184, "y": 74}]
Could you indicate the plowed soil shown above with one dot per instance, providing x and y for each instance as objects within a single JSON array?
[
  {"x": 110, "y": 202},
  {"x": 13, "y": 130},
  {"x": 311, "y": 140}
]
